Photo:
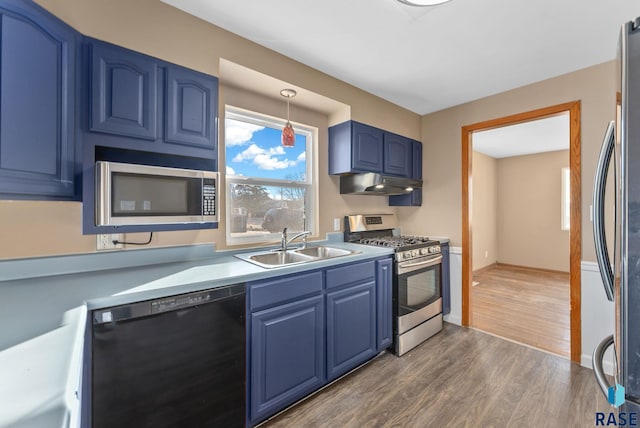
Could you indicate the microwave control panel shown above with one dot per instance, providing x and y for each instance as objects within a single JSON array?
[{"x": 209, "y": 196}]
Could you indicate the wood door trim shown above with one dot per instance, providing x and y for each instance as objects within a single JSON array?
[{"x": 576, "y": 203}]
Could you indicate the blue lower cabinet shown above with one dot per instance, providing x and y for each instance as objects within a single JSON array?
[
  {"x": 287, "y": 355},
  {"x": 446, "y": 279},
  {"x": 307, "y": 329},
  {"x": 351, "y": 328},
  {"x": 384, "y": 297}
]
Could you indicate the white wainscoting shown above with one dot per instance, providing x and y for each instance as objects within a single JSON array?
[
  {"x": 598, "y": 315},
  {"x": 455, "y": 274}
]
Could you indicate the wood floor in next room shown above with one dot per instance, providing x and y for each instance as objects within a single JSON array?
[
  {"x": 528, "y": 305},
  {"x": 459, "y": 378}
]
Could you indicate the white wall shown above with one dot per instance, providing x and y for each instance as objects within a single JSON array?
[{"x": 455, "y": 274}]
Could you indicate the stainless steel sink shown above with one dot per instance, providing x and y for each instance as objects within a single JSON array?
[
  {"x": 279, "y": 258},
  {"x": 324, "y": 252},
  {"x": 274, "y": 259}
]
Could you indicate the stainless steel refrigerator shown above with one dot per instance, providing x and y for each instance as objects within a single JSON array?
[{"x": 620, "y": 154}]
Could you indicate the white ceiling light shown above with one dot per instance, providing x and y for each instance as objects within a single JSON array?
[{"x": 423, "y": 2}]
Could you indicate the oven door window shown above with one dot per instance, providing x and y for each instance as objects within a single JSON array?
[{"x": 419, "y": 289}]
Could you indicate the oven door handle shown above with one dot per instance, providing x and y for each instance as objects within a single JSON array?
[{"x": 408, "y": 267}]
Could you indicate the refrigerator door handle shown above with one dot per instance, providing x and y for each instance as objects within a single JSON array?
[
  {"x": 599, "y": 184},
  {"x": 596, "y": 363}
]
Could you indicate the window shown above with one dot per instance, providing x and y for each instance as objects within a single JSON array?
[
  {"x": 269, "y": 187},
  {"x": 566, "y": 198}
]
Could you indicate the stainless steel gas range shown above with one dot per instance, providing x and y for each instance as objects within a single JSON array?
[{"x": 417, "y": 277}]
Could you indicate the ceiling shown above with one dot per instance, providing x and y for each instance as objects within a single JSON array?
[
  {"x": 429, "y": 58},
  {"x": 537, "y": 136}
]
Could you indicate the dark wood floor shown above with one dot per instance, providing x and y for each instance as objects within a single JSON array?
[
  {"x": 459, "y": 378},
  {"x": 530, "y": 306}
]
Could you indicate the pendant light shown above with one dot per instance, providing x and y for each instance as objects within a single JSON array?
[{"x": 288, "y": 136}]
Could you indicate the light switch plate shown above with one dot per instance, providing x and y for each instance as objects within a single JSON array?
[{"x": 336, "y": 225}]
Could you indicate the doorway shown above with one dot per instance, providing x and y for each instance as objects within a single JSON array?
[{"x": 573, "y": 109}]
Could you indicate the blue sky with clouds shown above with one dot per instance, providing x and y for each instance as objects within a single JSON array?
[{"x": 257, "y": 151}]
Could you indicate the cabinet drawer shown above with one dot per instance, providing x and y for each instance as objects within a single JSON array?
[
  {"x": 271, "y": 292},
  {"x": 351, "y": 274}
]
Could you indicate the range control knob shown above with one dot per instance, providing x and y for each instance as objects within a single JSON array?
[{"x": 424, "y": 251}]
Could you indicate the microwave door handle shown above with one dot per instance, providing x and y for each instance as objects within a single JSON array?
[{"x": 599, "y": 236}]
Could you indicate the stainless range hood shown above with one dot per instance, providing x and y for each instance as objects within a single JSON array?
[{"x": 377, "y": 184}]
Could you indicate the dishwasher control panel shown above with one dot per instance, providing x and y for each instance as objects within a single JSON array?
[
  {"x": 165, "y": 304},
  {"x": 176, "y": 302}
]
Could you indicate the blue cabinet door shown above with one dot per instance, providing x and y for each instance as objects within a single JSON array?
[
  {"x": 192, "y": 105},
  {"x": 413, "y": 199},
  {"x": 287, "y": 355},
  {"x": 351, "y": 328},
  {"x": 123, "y": 92},
  {"x": 417, "y": 160},
  {"x": 367, "y": 148},
  {"x": 446, "y": 279},
  {"x": 37, "y": 104},
  {"x": 384, "y": 299},
  {"x": 398, "y": 151}
]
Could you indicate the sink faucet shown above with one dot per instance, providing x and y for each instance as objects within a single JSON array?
[{"x": 286, "y": 240}]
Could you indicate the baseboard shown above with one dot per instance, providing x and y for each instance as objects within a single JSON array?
[
  {"x": 585, "y": 361},
  {"x": 589, "y": 266},
  {"x": 453, "y": 319},
  {"x": 507, "y": 265},
  {"x": 486, "y": 268}
]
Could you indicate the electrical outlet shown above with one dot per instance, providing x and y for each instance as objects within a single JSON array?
[
  {"x": 105, "y": 241},
  {"x": 336, "y": 225},
  {"x": 486, "y": 254}
]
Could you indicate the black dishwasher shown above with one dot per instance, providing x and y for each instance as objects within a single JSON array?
[{"x": 173, "y": 362}]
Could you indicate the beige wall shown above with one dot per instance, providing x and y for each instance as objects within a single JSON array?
[
  {"x": 31, "y": 229},
  {"x": 485, "y": 210},
  {"x": 441, "y": 137},
  {"x": 529, "y": 211}
]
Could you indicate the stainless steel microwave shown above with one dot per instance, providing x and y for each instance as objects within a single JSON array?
[{"x": 132, "y": 194}]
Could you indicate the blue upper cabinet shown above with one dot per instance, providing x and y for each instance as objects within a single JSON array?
[
  {"x": 142, "y": 103},
  {"x": 192, "y": 103},
  {"x": 123, "y": 92},
  {"x": 37, "y": 104},
  {"x": 398, "y": 153},
  {"x": 413, "y": 199},
  {"x": 355, "y": 148},
  {"x": 367, "y": 148},
  {"x": 417, "y": 160}
]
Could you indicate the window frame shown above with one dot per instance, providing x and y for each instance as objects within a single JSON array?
[{"x": 310, "y": 184}]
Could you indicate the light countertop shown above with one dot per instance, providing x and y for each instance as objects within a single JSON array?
[{"x": 42, "y": 316}]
